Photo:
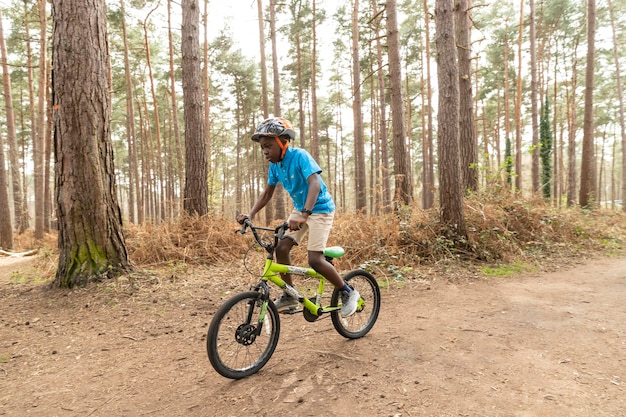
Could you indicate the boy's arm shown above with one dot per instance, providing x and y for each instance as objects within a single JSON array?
[
  {"x": 263, "y": 199},
  {"x": 313, "y": 192}
]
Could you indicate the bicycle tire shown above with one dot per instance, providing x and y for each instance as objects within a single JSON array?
[
  {"x": 361, "y": 322},
  {"x": 234, "y": 352}
]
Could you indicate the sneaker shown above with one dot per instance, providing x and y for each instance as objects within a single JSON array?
[
  {"x": 285, "y": 302},
  {"x": 349, "y": 301}
]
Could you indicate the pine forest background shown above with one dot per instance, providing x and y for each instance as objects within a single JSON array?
[{"x": 527, "y": 63}]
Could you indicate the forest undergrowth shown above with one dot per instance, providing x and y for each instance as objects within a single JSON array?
[{"x": 503, "y": 231}]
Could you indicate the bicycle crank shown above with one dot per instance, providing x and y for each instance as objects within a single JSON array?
[{"x": 308, "y": 316}]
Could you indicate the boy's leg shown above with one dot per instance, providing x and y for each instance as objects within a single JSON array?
[
  {"x": 319, "y": 230},
  {"x": 283, "y": 256}
]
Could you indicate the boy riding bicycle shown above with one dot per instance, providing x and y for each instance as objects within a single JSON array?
[{"x": 313, "y": 212}]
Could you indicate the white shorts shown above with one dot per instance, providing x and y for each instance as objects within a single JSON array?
[{"x": 318, "y": 226}]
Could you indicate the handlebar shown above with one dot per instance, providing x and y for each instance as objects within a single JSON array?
[{"x": 279, "y": 232}]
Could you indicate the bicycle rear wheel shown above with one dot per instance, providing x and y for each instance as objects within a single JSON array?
[
  {"x": 237, "y": 344},
  {"x": 361, "y": 322}
]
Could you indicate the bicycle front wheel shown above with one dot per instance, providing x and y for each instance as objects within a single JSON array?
[
  {"x": 238, "y": 343},
  {"x": 361, "y": 322}
]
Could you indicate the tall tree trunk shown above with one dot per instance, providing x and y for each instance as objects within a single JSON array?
[
  {"x": 518, "y": 103},
  {"x": 42, "y": 90},
  {"x": 570, "y": 88},
  {"x": 587, "y": 183},
  {"x": 37, "y": 146},
  {"x": 534, "y": 112},
  {"x": 6, "y": 229},
  {"x": 269, "y": 207},
  {"x": 91, "y": 242},
  {"x": 450, "y": 193},
  {"x": 20, "y": 216},
  {"x": 159, "y": 192},
  {"x": 620, "y": 96},
  {"x": 279, "y": 200},
  {"x": 315, "y": 152},
  {"x": 176, "y": 128},
  {"x": 382, "y": 102},
  {"x": 507, "y": 106},
  {"x": 467, "y": 139},
  {"x": 402, "y": 164},
  {"x": 133, "y": 171},
  {"x": 265, "y": 106},
  {"x": 428, "y": 193},
  {"x": 359, "y": 145},
  {"x": 196, "y": 188},
  {"x": 47, "y": 165},
  {"x": 206, "y": 86}
]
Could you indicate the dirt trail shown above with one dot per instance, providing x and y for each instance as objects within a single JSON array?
[{"x": 549, "y": 344}]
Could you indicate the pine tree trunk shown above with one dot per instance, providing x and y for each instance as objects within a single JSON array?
[
  {"x": 159, "y": 191},
  {"x": 196, "y": 188},
  {"x": 402, "y": 165},
  {"x": 450, "y": 193},
  {"x": 315, "y": 149},
  {"x": 265, "y": 106},
  {"x": 382, "y": 104},
  {"x": 39, "y": 155},
  {"x": 91, "y": 242},
  {"x": 359, "y": 145},
  {"x": 534, "y": 112},
  {"x": 34, "y": 135},
  {"x": 518, "y": 103},
  {"x": 20, "y": 216},
  {"x": 178, "y": 176},
  {"x": 428, "y": 192},
  {"x": 620, "y": 97},
  {"x": 587, "y": 183},
  {"x": 467, "y": 139},
  {"x": 279, "y": 199}
]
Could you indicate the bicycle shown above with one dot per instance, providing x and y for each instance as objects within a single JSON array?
[{"x": 244, "y": 331}]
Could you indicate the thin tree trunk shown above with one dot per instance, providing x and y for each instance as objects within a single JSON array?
[
  {"x": 402, "y": 165},
  {"x": 620, "y": 96},
  {"x": 47, "y": 165},
  {"x": 159, "y": 192},
  {"x": 42, "y": 89},
  {"x": 34, "y": 134},
  {"x": 6, "y": 229},
  {"x": 534, "y": 112},
  {"x": 571, "y": 140},
  {"x": 359, "y": 145},
  {"x": 507, "y": 99},
  {"x": 518, "y": 103},
  {"x": 384, "y": 140},
  {"x": 314, "y": 122},
  {"x": 133, "y": 173},
  {"x": 467, "y": 139},
  {"x": 269, "y": 207},
  {"x": 428, "y": 199},
  {"x": 20, "y": 216},
  {"x": 279, "y": 200},
  {"x": 587, "y": 182},
  {"x": 179, "y": 173}
]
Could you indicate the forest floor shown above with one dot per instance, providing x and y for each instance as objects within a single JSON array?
[{"x": 533, "y": 344}]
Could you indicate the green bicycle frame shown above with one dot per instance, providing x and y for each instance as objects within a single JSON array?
[{"x": 272, "y": 272}]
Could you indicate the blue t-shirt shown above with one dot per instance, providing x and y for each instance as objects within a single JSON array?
[{"x": 292, "y": 172}]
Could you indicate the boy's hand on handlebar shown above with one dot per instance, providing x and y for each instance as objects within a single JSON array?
[
  {"x": 296, "y": 222},
  {"x": 241, "y": 217}
]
